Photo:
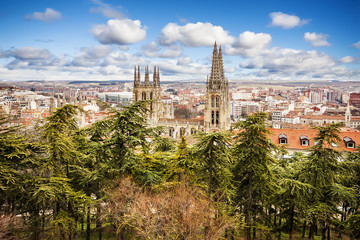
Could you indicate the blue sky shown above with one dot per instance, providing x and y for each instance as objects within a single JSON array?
[{"x": 104, "y": 39}]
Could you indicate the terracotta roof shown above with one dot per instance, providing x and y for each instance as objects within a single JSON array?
[
  {"x": 294, "y": 136},
  {"x": 321, "y": 117}
]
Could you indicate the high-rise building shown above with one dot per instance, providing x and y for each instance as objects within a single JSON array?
[{"x": 217, "y": 110}]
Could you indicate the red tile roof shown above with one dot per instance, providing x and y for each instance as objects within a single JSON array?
[{"x": 293, "y": 138}]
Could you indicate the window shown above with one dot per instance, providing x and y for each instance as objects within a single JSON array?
[
  {"x": 217, "y": 101},
  {"x": 212, "y": 101},
  {"x": 143, "y": 96},
  {"x": 304, "y": 140},
  {"x": 171, "y": 132},
  {"x": 350, "y": 145},
  {"x": 182, "y": 131},
  {"x": 151, "y": 96},
  {"x": 282, "y": 138},
  {"x": 217, "y": 117},
  {"x": 212, "y": 117},
  {"x": 305, "y": 143},
  {"x": 193, "y": 131}
]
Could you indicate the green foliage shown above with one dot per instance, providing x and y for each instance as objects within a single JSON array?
[
  {"x": 353, "y": 226},
  {"x": 164, "y": 144},
  {"x": 58, "y": 176},
  {"x": 182, "y": 165},
  {"x": 213, "y": 154},
  {"x": 254, "y": 177}
]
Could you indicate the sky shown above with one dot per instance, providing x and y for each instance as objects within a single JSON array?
[{"x": 104, "y": 39}]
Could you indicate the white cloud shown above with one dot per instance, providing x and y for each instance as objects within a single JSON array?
[
  {"x": 31, "y": 53},
  {"x": 347, "y": 59},
  {"x": 126, "y": 60},
  {"x": 106, "y": 10},
  {"x": 249, "y": 44},
  {"x": 47, "y": 16},
  {"x": 171, "y": 52},
  {"x": 186, "y": 69},
  {"x": 4, "y": 54},
  {"x": 119, "y": 31},
  {"x": 194, "y": 34},
  {"x": 153, "y": 50},
  {"x": 317, "y": 39},
  {"x": 356, "y": 45},
  {"x": 279, "y": 19},
  {"x": 296, "y": 64},
  {"x": 91, "y": 57},
  {"x": 186, "y": 61}
]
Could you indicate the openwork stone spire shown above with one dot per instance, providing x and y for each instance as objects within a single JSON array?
[{"x": 217, "y": 112}]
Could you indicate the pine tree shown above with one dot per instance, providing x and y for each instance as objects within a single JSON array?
[
  {"x": 322, "y": 171},
  {"x": 253, "y": 175}
]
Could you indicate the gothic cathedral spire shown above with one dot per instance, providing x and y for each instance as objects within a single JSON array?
[{"x": 217, "y": 112}]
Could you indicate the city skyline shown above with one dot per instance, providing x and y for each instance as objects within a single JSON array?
[{"x": 103, "y": 40}]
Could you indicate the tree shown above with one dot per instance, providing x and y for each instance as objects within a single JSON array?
[
  {"x": 322, "y": 171},
  {"x": 177, "y": 211},
  {"x": 292, "y": 194},
  {"x": 117, "y": 147},
  {"x": 253, "y": 176},
  {"x": 212, "y": 152},
  {"x": 182, "y": 165}
]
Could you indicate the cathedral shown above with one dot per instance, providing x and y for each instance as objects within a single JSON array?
[{"x": 217, "y": 112}]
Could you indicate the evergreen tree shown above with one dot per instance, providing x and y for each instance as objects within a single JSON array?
[
  {"x": 322, "y": 171},
  {"x": 213, "y": 154},
  {"x": 253, "y": 175}
]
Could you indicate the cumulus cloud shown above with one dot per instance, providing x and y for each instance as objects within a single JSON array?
[
  {"x": 347, "y": 59},
  {"x": 356, "y": 45},
  {"x": 186, "y": 69},
  {"x": 30, "y": 57},
  {"x": 292, "y": 64},
  {"x": 153, "y": 50},
  {"x": 4, "y": 54},
  {"x": 32, "y": 53},
  {"x": 91, "y": 57},
  {"x": 186, "y": 61},
  {"x": 119, "y": 31},
  {"x": 126, "y": 60},
  {"x": 194, "y": 34},
  {"x": 106, "y": 10},
  {"x": 249, "y": 44},
  {"x": 286, "y": 21},
  {"x": 47, "y": 16},
  {"x": 317, "y": 39}
]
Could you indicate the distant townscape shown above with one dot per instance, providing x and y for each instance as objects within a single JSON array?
[{"x": 185, "y": 108}]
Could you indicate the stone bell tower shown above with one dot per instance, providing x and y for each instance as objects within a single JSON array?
[
  {"x": 217, "y": 111},
  {"x": 149, "y": 91}
]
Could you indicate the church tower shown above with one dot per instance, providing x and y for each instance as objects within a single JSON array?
[
  {"x": 149, "y": 91},
  {"x": 348, "y": 116},
  {"x": 217, "y": 112}
]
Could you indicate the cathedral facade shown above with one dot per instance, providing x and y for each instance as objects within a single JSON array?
[
  {"x": 217, "y": 112},
  {"x": 149, "y": 91}
]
